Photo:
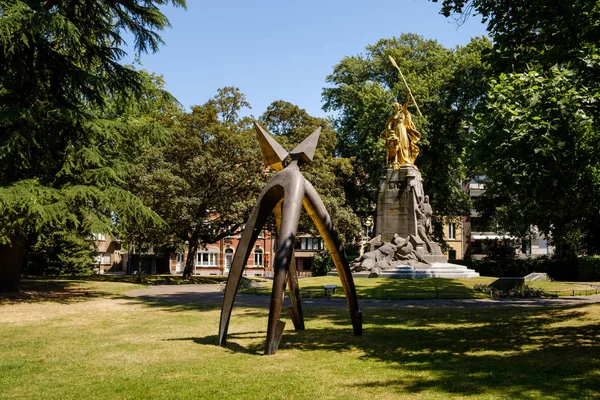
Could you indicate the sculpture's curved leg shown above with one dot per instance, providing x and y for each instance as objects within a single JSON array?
[
  {"x": 290, "y": 210},
  {"x": 316, "y": 209},
  {"x": 263, "y": 208},
  {"x": 295, "y": 311}
]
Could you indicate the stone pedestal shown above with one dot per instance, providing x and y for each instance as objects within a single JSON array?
[{"x": 399, "y": 193}]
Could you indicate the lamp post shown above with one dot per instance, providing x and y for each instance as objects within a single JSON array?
[{"x": 368, "y": 224}]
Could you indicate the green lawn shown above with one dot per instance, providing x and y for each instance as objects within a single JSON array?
[
  {"x": 86, "y": 340},
  {"x": 430, "y": 288}
]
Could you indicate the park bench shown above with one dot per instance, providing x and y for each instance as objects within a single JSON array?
[{"x": 329, "y": 290}]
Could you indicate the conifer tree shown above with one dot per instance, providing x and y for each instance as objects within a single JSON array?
[{"x": 63, "y": 152}]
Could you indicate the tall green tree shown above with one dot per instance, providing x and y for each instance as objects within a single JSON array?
[
  {"x": 446, "y": 83},
  {"x": 529, "y": 32},
  {"x": 534, "y": 141},
  {"x": 62, "y": 162},
  {"x": 204, "y": 181}
]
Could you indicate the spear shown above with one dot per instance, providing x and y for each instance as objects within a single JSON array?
[{"x": 404, "y": 80}]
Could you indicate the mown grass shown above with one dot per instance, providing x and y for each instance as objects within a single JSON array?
[
  {"x": 66, "y": 288},
  {"x": 165, "y": 279},
  {"x": 105, "y": 346},
  {"x": 429, "y": 288},
  {"x": 313, "y": 287}
]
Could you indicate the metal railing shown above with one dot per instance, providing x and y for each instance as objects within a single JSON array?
[{"x": 434, "y": 294}]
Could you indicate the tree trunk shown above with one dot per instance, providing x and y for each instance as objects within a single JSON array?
[
  {"x": 139, "y": 269},
  {"x": 190, "y": 262},
  {"x": 11, "y": 258}
]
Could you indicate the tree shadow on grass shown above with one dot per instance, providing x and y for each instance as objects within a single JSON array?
[
  {"x": 203, "y": 301},
  {"x": 418, "y": 288},
  {"x": 521, "y": 353},
  {"x": 54, "y": 290},
  {"x": 517, "y": 352}
]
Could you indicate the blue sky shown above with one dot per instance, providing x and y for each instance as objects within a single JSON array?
[{"x": 283, "y": 50}]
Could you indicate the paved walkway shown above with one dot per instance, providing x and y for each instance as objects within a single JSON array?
[{"x": 211, "y": 295}]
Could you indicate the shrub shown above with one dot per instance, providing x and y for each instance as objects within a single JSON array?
[
  {"x": 322, "y": 263},
  {"x": 499, "y": 249},
  {"x": 61, "y": 253},
  {"x": 556, "y": 269},
  {"x": 589, "y": 268},
  {"x": 527, "y": 292}
]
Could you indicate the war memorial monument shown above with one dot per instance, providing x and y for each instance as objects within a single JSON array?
[{"x": 402, "y": 247}]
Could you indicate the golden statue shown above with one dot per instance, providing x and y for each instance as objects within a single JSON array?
[{"x": 401, "y": 137}]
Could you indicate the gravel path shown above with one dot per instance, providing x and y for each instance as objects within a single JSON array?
[{"x": 211, "y": 295}]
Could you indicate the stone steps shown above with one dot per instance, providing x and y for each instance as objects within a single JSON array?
[{"x": 436, "y": 270}]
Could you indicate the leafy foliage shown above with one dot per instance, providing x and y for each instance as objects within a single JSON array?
[
  {"x": 562, "y": 270},
  {"x": 529, "y": 32},
  {"x": 322, "y": 264},
  {"x": 535, "y": 140},
  {"x": 446, "y": 83},
  {"x": 496, "y": 249},
  {"x": 527, "y": 292},
  {"x": 203, "y": 182},
  {"x": 61, "y": 253},
  {"x": 537, "y": 148},
  {"x": 589, "y": 268},
  {"x": 63, "y": 155}
]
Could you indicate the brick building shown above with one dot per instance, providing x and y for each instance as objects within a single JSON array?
[{"x": 216, "y": 258}]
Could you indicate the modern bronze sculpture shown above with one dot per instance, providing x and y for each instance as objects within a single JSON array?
[{"x": 285, "y": 195}]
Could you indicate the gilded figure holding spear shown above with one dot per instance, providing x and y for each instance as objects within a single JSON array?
[{"x": 401, "y": 134}]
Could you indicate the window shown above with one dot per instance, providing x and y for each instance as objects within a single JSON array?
[
  {"x": 311, "y": 244},
  {"x": 258, "y": 258},
  {"x": 207, "y": 258},
  {"x": 228, "y": 258},
  {"x": 477, "y": 182},
  {"x": 526, "y": 246},
  {"x": 99, "y": 236},
  {"x": 105, "y": 258},
  {"x": 479, "y": 224},
  {"x": 452, "y": 254},
  {"x": 179, "y": 262},
  {"x": 452, "y": 230}
]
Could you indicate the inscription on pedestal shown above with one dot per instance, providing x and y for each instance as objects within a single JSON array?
[
  {"x": 396, "y": 185},
  {"x": 397, "y": 192}
]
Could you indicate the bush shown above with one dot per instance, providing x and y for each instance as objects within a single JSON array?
[
  {"x": 527, "y": 292},
  {"x": 499, "y": 249},
  {"x": 589, "y": 268},
  {"x": 557, "y": 269},
  {"x": 322, "y": 263},
  {"x": 61, "y": 253}
]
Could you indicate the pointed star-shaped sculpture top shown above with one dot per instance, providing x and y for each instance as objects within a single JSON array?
[{"x": 274, "y": 154}]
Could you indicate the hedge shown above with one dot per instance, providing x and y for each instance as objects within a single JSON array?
[
  {"x": 589, "y": 268},
  {"x": 562, "y": 270}
]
